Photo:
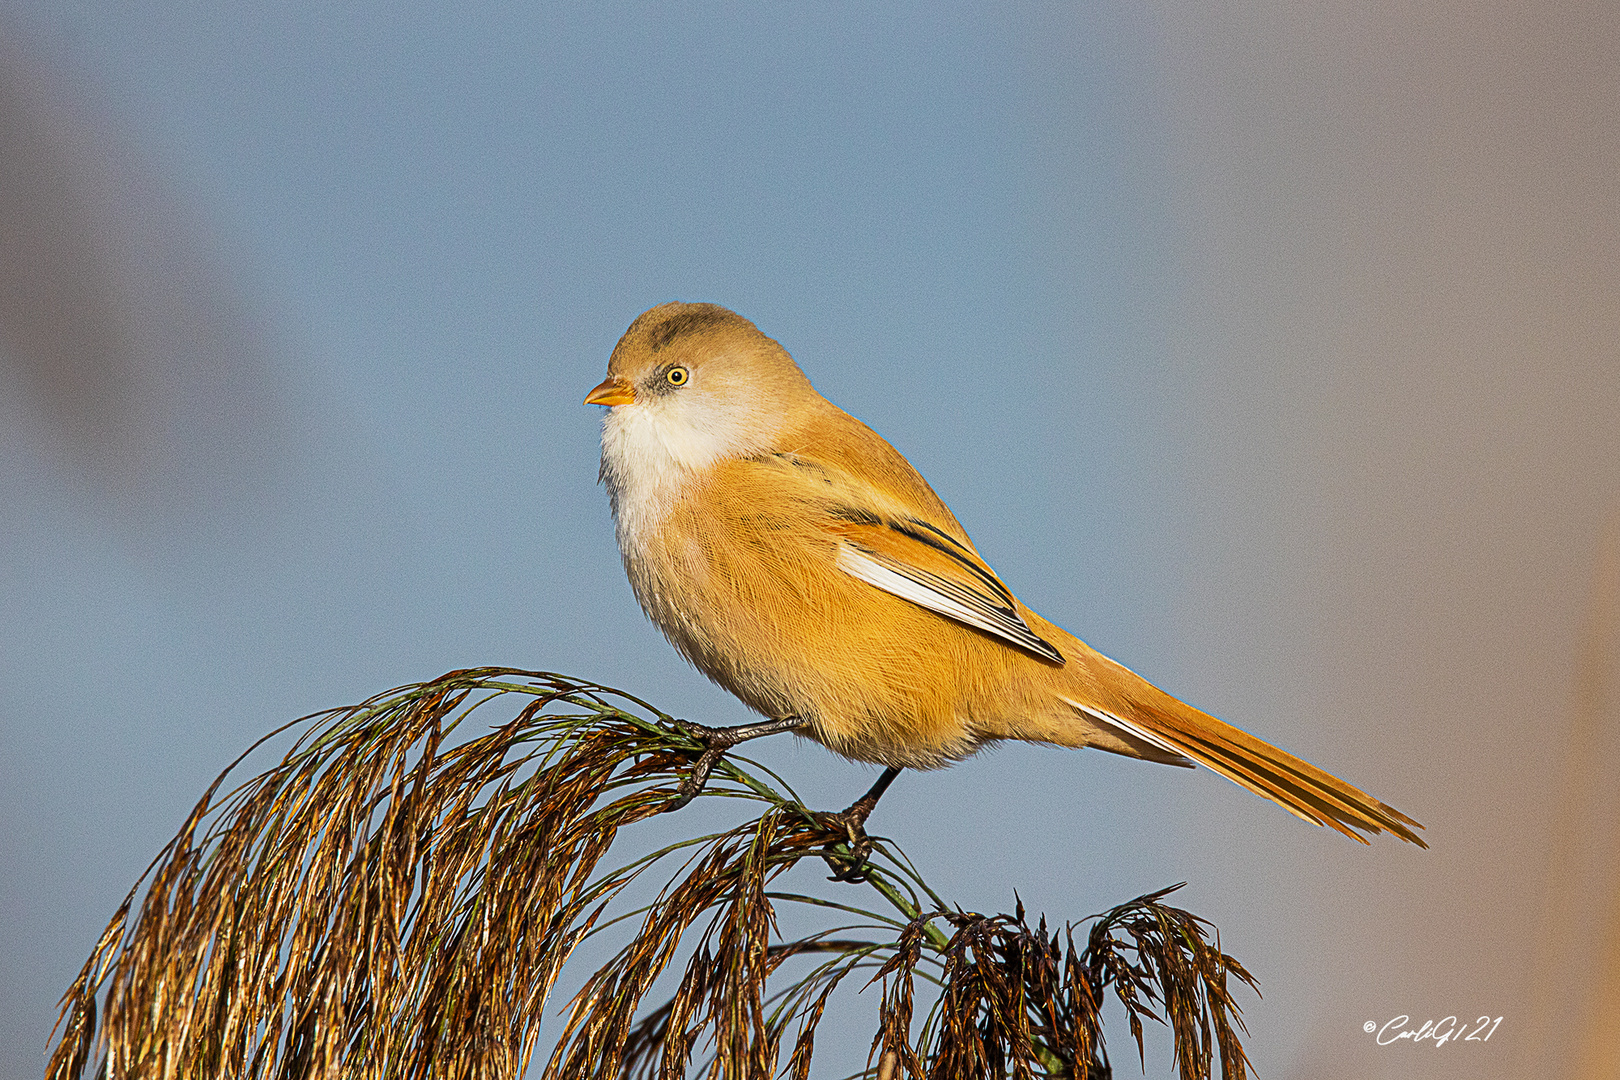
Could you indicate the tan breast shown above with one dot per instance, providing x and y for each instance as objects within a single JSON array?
[{"x": 742, "y": 577}]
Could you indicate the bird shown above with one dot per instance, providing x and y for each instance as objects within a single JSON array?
[{"x": 798, "y": 560}]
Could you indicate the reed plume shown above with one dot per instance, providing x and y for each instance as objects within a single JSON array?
[{"x": 397, "y": 896}]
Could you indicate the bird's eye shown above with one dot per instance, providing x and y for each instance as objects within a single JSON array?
[{"x": 677, "y": 376}]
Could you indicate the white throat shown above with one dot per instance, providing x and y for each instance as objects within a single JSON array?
[{"x": 650, "y": 454}]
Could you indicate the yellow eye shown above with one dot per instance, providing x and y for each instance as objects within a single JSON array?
[{"x": 678, "y": 376}]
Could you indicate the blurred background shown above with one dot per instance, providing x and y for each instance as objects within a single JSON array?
[{"x": 1270, "y": 347}]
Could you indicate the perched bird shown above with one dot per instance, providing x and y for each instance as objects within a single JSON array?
[{"x": 799, "y": 561}]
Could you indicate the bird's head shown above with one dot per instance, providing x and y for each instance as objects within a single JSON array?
[{"x": 692, "y": 384}]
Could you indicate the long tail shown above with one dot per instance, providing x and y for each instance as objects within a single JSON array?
[{"x": 1120, "y": 699}]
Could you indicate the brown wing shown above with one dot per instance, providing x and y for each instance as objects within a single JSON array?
[
  {"x": 894, "y": 533},
  {"x": 919, "y": 562}
]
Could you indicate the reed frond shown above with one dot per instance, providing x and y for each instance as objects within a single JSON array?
[{"x": 398, "y": 895}]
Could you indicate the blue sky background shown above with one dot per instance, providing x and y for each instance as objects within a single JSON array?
[{"x": 1264, "y": 347}]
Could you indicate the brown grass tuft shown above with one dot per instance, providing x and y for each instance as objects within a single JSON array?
[{"x": 398, "y": 895}]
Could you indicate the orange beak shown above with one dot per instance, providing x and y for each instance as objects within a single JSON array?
[{"x": 612, "y": 390}]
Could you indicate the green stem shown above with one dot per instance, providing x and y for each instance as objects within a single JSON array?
[{"x": 936, "y": 936}]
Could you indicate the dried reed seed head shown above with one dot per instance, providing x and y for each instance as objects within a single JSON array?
[{"x": 398, "y": 895}]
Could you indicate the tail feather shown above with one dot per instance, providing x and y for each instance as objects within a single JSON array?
[{"x": 1143, "y": 710}]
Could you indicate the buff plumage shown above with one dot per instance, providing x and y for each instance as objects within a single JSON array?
[{"x": 798, "y": 560}]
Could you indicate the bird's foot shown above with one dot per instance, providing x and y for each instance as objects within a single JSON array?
[
  {"x": 849, "y": 829},
  {"x": 714, "y": 748},
  {"x": 716, "y": 741},
  {"x": 848, "y": 865}
]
